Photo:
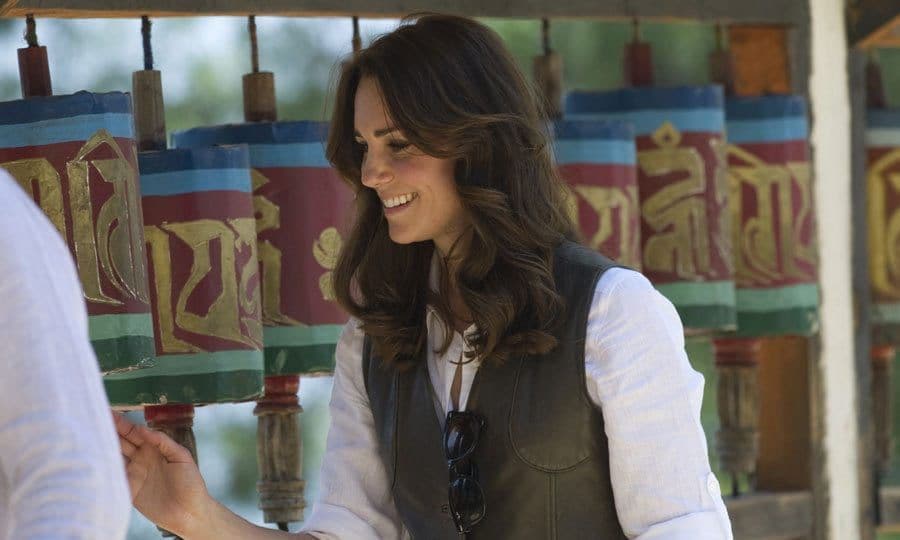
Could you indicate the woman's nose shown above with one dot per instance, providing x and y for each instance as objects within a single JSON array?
[{"x": 375, "y": 171}]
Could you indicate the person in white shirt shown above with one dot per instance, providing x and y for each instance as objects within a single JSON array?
[
  {"x": 61, "y": 475},
  {"x": 496, "y": 379}
]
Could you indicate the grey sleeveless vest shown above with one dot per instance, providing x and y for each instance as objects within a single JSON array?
[{"x": 543, "y": 457}]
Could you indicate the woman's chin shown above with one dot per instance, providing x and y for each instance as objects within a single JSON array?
[{"x": 400, "y": 237}]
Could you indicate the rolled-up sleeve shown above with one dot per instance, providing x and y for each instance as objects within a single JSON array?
[
  {"x": 355, "y": 500},
  {"x": 639, "y": 375}
]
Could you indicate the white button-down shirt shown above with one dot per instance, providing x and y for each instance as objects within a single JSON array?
[{"x": 638, "y": 375}]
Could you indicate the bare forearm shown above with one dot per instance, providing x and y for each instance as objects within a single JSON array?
[{"x": 220, "y": 523}]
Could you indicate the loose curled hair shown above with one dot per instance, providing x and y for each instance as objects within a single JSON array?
[{"x": 454, "y": 91}]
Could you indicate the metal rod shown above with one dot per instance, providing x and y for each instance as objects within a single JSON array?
[
  {"x": 254, "y": 47},
  {"x": 148, "y": 49},
  {"x": 357, "y": 40},
  {"x": 30, "y": 31},
  {"x": 545, "y": 35}
]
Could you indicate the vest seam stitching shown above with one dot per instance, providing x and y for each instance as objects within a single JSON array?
[{"x": 554, "y": 534}]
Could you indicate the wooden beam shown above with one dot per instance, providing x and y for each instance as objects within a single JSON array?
[
  {"x": 873, "y": 23},
  {"x": 757, "y": 11},
  {"x": 771, "y": 515},
  {"x": 868, "y": 503}
]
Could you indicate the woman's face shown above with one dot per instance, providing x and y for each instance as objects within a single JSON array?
[{"x": 417, "y": 191}]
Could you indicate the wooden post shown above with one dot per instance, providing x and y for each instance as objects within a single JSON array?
[
  {"x": 149, "y": 110},
  {"x": 176, "y": 421},
  {"x": 882, "y": 358},
  {"x": 259, "y": 97},
  {"x": 548, "y": 75},
  {"x": 737, "y": 440},
  {"x": 259, "y": 86},
  {"x": 638, "y": 60},
  {"x": 862, "y": 301},
  {"x": 34, "y": 69},
  {"x": 721, "y": 64},
  {"x": 279, "y": 451},
  {"x": 147, "y": 99}
]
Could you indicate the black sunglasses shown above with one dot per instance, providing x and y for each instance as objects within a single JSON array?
[{"x": 461, "y": 433}]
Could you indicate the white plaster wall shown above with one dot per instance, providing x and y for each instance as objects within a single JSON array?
[{"x": 831, "y": 140}]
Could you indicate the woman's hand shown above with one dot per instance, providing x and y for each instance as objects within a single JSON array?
[{"x": 165, "y": 483}]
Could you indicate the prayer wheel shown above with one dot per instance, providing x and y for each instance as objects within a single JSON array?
[
  {"x": 682, "y": 186},
  {"x": 883, "y": 193},
  {"x": 597, "y": 160},
  {"x": 204, "y": 287},
  {"x": 883, "y": 190},
  {"x": 204, "y": 282},
  {"x": 75, "y": 155},
  {"x": 301, "y": 206},
  {"x": 772, "y": 212},
  {"x": 773, "y": 239}
]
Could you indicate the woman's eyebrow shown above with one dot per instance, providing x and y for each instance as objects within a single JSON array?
[{"x": 378, "y": 132}]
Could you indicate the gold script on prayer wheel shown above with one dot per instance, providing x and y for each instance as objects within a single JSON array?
[
  {"x": 764, "y": 255},
  {"x": 268, "y": 217},
  {"x": 238, "y": 301},
  {"x": 677, "y": 212},
  {"x": 884, "y": 229},
  {"x": 326, "y": 250},
  {"x": 604, "y": 201},
  {"x": 110, "y": 244}
]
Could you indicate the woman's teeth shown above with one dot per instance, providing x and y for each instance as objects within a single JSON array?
[{"x": 400, "y": 199}]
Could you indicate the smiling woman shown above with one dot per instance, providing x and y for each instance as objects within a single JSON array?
[
  {"x": 414, "y": 118},
  {"x": 484, "y": 342},
  {"x": 417, "y": 190}
]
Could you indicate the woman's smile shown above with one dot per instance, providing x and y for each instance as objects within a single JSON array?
[{"x": 398, "y": 203}]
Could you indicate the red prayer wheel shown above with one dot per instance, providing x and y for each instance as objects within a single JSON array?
[
  {"x": 685, "y": 226},
  {"x": 301, "y": 208},
  {"x": 75, "y": 156},
  {"x": 773, "y": 219},
  {"x": 597, "y": 160}
]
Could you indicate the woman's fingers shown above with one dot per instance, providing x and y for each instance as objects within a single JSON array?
[
  {"x": 127, "y": 430},
  {"x": 171, "y": 450},
  {"x": 128, "y": 449},
  {"x": 133, "y": 436}
]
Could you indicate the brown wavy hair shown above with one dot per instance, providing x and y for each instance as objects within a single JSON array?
[{"x": 453, "y": 89}]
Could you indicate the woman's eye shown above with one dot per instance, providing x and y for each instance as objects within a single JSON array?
[
  {"x": 398, "y": 145},
  {"x": 362, "y": 146}
]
